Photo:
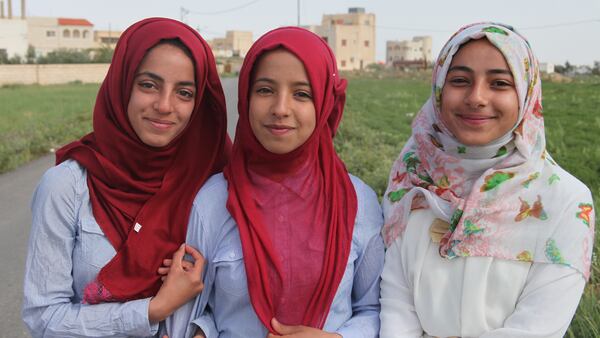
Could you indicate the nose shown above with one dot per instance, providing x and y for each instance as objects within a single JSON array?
[
  {"x": 164, "y": 103},
  {"x": 281, "y": 105},
  {"x": 477, "y": 96}
]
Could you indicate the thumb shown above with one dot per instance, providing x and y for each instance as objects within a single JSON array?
[
  {"x": 283, "y": 329},
  {"x": 178, "y": 256}
]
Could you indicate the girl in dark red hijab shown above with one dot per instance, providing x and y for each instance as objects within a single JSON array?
[
  {"x": 159, "y": 133},
  {"x": 308, "y": 231}
]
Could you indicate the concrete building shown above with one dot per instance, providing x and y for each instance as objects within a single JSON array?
[
  {"x": 108, "y": 39},
  {"x": 13, "y": 32},
  {"x": 13, "y": 37},
  {"x": 48, "y": 34},
  {"x": 409, "y": 53},
  {"x": 351, "y": 36},
  {"x": 235, "y": 43},
  {"x": 546, "y": 67}
]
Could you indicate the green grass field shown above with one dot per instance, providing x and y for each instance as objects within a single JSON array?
[{"x": 376, "y": 124}]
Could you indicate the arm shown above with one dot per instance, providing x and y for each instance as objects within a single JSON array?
[
  {"x": 546, "y": 305},
  {"x": 365, "y": 293},
  {"x": 369, "y": 264},
  {"x": 398, "y": 316},
  {"x": 48, "y": 306}
]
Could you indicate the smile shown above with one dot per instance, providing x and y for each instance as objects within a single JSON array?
[
  {"x": 279, "y": 130},
  {"x": 160, "y": 124},
  {"x": 476, "y": 120}
]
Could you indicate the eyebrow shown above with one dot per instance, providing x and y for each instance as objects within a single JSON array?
[
  {"x": 271, "y": 81},
  {"x": 490, "y": 71},
  {"x": 160, "y": 79}
]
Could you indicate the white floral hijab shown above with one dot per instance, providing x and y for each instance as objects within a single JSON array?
[{"x": 507, "y": 199}]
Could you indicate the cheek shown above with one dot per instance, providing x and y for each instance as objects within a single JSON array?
[
  {"x": 309, "y": 119},
  {"x": 254, "y": 114}
]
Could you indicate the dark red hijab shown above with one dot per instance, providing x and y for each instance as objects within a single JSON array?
[
  {"x": 295, "y": 211},
  {"x": 132, "y": 183}
]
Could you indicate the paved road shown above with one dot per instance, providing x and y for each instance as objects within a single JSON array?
[{"x": 16, "y": 188}]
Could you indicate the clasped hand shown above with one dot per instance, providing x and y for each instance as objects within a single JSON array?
[{"x": 182, "y": 281}]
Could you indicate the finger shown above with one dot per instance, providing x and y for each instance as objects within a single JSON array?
[
  {"x": 163, "y": 270},
  {"x": 283, "y": 329},
  {"x": 167, "y": 262},
  {"x": 187, "y": 265},
  {"x": 198, "y": 258},
  {"x": 178, "y": 256},
  {"x": 165, "y": 336}
]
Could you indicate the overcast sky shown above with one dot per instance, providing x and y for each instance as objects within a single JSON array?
[{"x": 558, "y": 30}]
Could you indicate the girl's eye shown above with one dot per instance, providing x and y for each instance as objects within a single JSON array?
[
  {"x": 188, "y": 94},
  {"x": 146, "y": 85},
  {"x": 501, "y": 84},
  {"x": 263, "y": 90},
  {"x": 303, "y": 95},
  {"x": 459, "y": 81}
]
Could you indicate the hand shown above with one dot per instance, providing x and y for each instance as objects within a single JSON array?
[
  {"x": 299, "y": 331},
  {"x": 164, "y": 269},
  {"x": 183, "y": 282}
]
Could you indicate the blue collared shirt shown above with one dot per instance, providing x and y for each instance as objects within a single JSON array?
[
  {"x": 66, "y": 251},
  {"x": 224, "y": 309}
]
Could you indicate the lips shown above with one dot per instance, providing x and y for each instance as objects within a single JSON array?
[
  {"x": 476, "y": 119},
  {"x": 278, "y": 129},
  {"x": 160, "y": 124}
]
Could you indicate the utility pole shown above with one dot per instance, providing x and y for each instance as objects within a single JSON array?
[
  {"x": 298, "y": 11},
  {"x": 182, "y": 13}
]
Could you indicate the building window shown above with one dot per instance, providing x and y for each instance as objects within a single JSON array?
[
  {"x": 85, "y": 34},
  {"x": 66, "y": 33},
  {"x": 366, "y": 43},
  {"x": 50, "y": 34},
  {"x": 76, "y": 34},
  {"x": 351, "y": 60},
  {"x": 367, "y": 22},
  {"x": 343, "y": 42},
  {"x": 343, "y": 63}
]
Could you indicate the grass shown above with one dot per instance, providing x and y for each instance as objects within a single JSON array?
[
  {"x": 377, "y": 124},
  {"x": 34, "y": 119}
]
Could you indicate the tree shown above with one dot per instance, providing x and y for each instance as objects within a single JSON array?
[
  {"x": 30, "y": 55},
  {"x": 596, "y": 68}
]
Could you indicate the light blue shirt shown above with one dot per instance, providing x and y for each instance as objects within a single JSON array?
[
  {"x": 224, "y": 310},
  {"x": 66, "y": 250}
]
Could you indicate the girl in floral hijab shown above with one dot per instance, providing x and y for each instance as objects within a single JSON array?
[{"x": 486, "y": 234}]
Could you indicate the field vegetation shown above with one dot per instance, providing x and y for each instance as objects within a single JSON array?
[{"x": 379, "y": 110}]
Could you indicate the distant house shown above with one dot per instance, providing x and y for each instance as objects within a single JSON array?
[
  {"x": 107, "y": 38},
  {"x": 235, "y": 43},
  {"x": 409, "y": 53},
  {"x": 546, "y": 67},
  {"x": 351, "y": 36},
  {"x": 47, "y": 34}
]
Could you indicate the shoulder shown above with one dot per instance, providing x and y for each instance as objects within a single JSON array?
[
  {"x": 369, "y": 217},
  {"x": 65, "y": 179},
  {"x": 567, "y": 187},
  {"x": 210, "y": 204}
]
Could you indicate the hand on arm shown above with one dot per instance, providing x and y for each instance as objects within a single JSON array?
[
  {"x": 299, "y": 331},
  {"x": 182, "y": 282}
]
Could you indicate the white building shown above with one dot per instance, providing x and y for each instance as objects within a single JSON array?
[
  {"x": 407, "y": 52},
  {"x": 351, "y": 36},
  {"x": 546, "y": 67},
  {"x": 48, "y": 34},
  {"x": 13, "y": 37}
]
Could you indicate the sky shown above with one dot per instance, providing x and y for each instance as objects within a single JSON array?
[{"x": 558, "y": 30}]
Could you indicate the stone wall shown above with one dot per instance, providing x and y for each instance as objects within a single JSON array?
[{"x": 52, "y": 74}]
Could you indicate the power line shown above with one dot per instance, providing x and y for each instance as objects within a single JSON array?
[
  {"x": 232, "y": 9},
  {"x": 573, "y": 23},
  {"x": 434, "y": 30}
]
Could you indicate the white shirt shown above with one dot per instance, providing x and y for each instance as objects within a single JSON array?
[{"x": 424, "y": 294}]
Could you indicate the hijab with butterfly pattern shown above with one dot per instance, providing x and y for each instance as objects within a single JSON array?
[{"x": 506, "y": 199}]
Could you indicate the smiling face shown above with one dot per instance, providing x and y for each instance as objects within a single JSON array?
[
  {"x": 163, "y": 94},
  {"x": 479, "y": 99},
  {"x": 281, "y": 112}
]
